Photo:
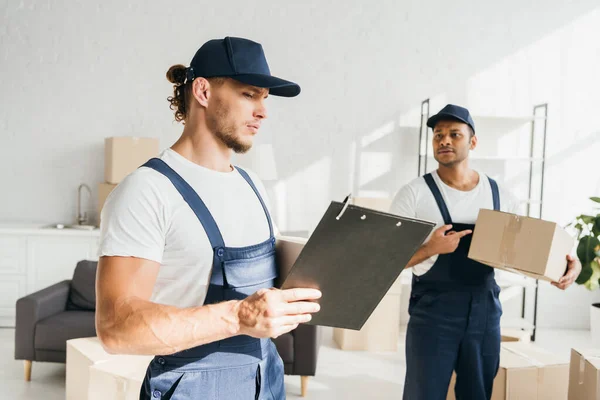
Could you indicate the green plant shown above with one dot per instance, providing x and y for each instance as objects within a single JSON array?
[{"x": 588, "y": 248}]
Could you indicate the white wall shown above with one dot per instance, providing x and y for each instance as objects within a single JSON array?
[{"x": 77, "y": 72}]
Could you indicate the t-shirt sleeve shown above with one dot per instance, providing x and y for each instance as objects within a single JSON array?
[
  {"x": 510, "y": 203},
  {"x": 133, "y": 219},
  {"x": 404, "y": 203}
]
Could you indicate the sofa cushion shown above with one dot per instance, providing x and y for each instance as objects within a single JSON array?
[
  {"x": 53, "y": 332},
  {"x": 285, "y": 347},
  {"x": 83, "y": 287}
]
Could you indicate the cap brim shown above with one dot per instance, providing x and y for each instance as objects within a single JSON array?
[
  {"x": 276, "y": 86},
  {"x": 432, "y": 121}
]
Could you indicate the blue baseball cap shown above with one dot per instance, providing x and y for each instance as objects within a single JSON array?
[
  {"x": 239, "y": 59},
  {"x": 452, "y": 112}
]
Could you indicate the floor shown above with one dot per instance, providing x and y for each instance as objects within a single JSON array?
[{"x": 340, "y": 374}]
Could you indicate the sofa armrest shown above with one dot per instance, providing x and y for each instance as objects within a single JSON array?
[
  {"x": 33, "y": 308},
  {"x": 306, "y": 349}
]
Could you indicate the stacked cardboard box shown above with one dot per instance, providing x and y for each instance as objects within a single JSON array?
[
  {"x": 122, "y": 156},
  {"x": 528, "y": 246},
  {"x": 527, "y": 373},
  {"x": 584, "y": 375},
  {"x": 515, "y": 335}
]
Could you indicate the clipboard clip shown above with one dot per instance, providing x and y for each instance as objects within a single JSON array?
[{"x": 346, "y": 202}]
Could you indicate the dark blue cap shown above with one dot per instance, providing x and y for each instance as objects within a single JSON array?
[
  {"x": 240, "y": 59},
  {"x": 452, "y": 112}
]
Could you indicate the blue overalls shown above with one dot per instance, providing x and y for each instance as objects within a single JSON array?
[
  {"x": 239, "y": 367},
  {"x": 454, "y": 322}
]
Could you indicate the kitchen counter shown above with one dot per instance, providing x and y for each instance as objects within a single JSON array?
[{"x": 31, "y": 228}]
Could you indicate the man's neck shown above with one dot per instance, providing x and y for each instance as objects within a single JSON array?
[
  {"x": 459, "y": 176},
  {"x": 202, "y": 147}
]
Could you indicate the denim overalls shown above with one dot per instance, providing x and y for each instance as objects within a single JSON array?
[
  {"x": 454, "y": 321},
  {"x": 240, "y": 367}
]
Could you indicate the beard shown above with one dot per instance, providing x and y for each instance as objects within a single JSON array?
[
  {"x": 459, "y": 156},
  {"x": 225, "y": 131},
  {"x": 232, "y": 141}
]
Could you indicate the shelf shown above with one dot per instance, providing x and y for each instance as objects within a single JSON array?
[
  {"x": 518, "y": 323},
  {"x": 494, "y": 125}
]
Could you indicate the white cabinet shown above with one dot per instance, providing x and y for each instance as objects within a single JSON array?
[
  {"x": 12, "y": 254},
  {"x": 12, "y": 288},
  {"x": 53, "y": 259},
  {"x": 32, "y": 259}
]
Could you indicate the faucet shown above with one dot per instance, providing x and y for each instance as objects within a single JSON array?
[{"x": 82, "y": 218}]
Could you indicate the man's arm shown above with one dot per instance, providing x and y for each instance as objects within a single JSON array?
[
  {"x": 405, "y": 204},
  {"x": 128, "y": 323},
  {"x": 439, "y": 243}
]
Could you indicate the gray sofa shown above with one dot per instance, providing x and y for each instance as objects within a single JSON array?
[{"x": 48, "y": 318}]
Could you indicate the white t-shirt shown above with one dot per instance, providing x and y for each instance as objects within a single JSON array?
[
  {"x": 146, "y": 217},
  {"x": 415, "y": 200}
]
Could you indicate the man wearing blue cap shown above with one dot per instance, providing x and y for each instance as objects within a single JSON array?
[
  {"x": 454, "y": 308},
  {"x": 187, "y": 263}
]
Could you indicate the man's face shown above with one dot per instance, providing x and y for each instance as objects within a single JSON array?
[
  {"x": 235, "y": 112},
  {"x": 452, "y": 142}
]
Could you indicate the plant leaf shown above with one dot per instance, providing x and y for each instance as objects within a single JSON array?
[
  {"x": 595, "y": 267},
  {"x": 594, "y": 282},
  {"x": 586, "y": 249},
  {"x": 596, "y": 199},
  {"x": 587, "y": 219},
  {"x": 596, "y": 227},
  {"x": 586, "y": 273}
]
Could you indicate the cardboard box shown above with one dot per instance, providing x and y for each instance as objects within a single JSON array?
[
  {"x": 118, "y": 379},
  {"x": 527, "y": 373},
  {"x": 287, "y": 250},
  {"x": 81, "y": 355},
  {"x": 529, "y": 246},
  {"x": 515, "y": 335},
  {"x": 584, "y": 375},
  {"x": 123, "y": 155},
  {"x": 104, "y": 190},
  {"x": 93, "y": 373},
  {"x": 374, "y": 203}
]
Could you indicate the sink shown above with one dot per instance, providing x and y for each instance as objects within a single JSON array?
[{"x": 72, "y": 226}]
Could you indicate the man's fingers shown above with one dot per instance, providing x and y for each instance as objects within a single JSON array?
[
  {"x": 300, "y": 307},
  {"x": 570, "y": 275},
  {"x": 443, "y": 229},
  {"x": 283, "y": 330},
  {"x": 291, "y": 320},
  {"x": 563, "y": 284},
  {"x": 464, "y": 233},
  {"x": 299, "y": 294}
]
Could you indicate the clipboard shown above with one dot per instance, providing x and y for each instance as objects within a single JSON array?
[{"x": 353, "y": 257}]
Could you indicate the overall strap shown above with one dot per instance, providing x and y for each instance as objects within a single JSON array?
[
  {"x": 247, "y": 178},
  {"x": 495, "y": 194},
  {"x": 439, "y": 199},
  {"x": 191, "y": 197}
]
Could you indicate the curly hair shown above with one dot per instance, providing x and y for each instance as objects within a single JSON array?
[
  {"x": 176, "y": 75},
  {"x": 179, "y": 101}
]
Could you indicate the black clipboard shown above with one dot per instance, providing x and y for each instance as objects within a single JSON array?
[{"x": 354, "y": 256}]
